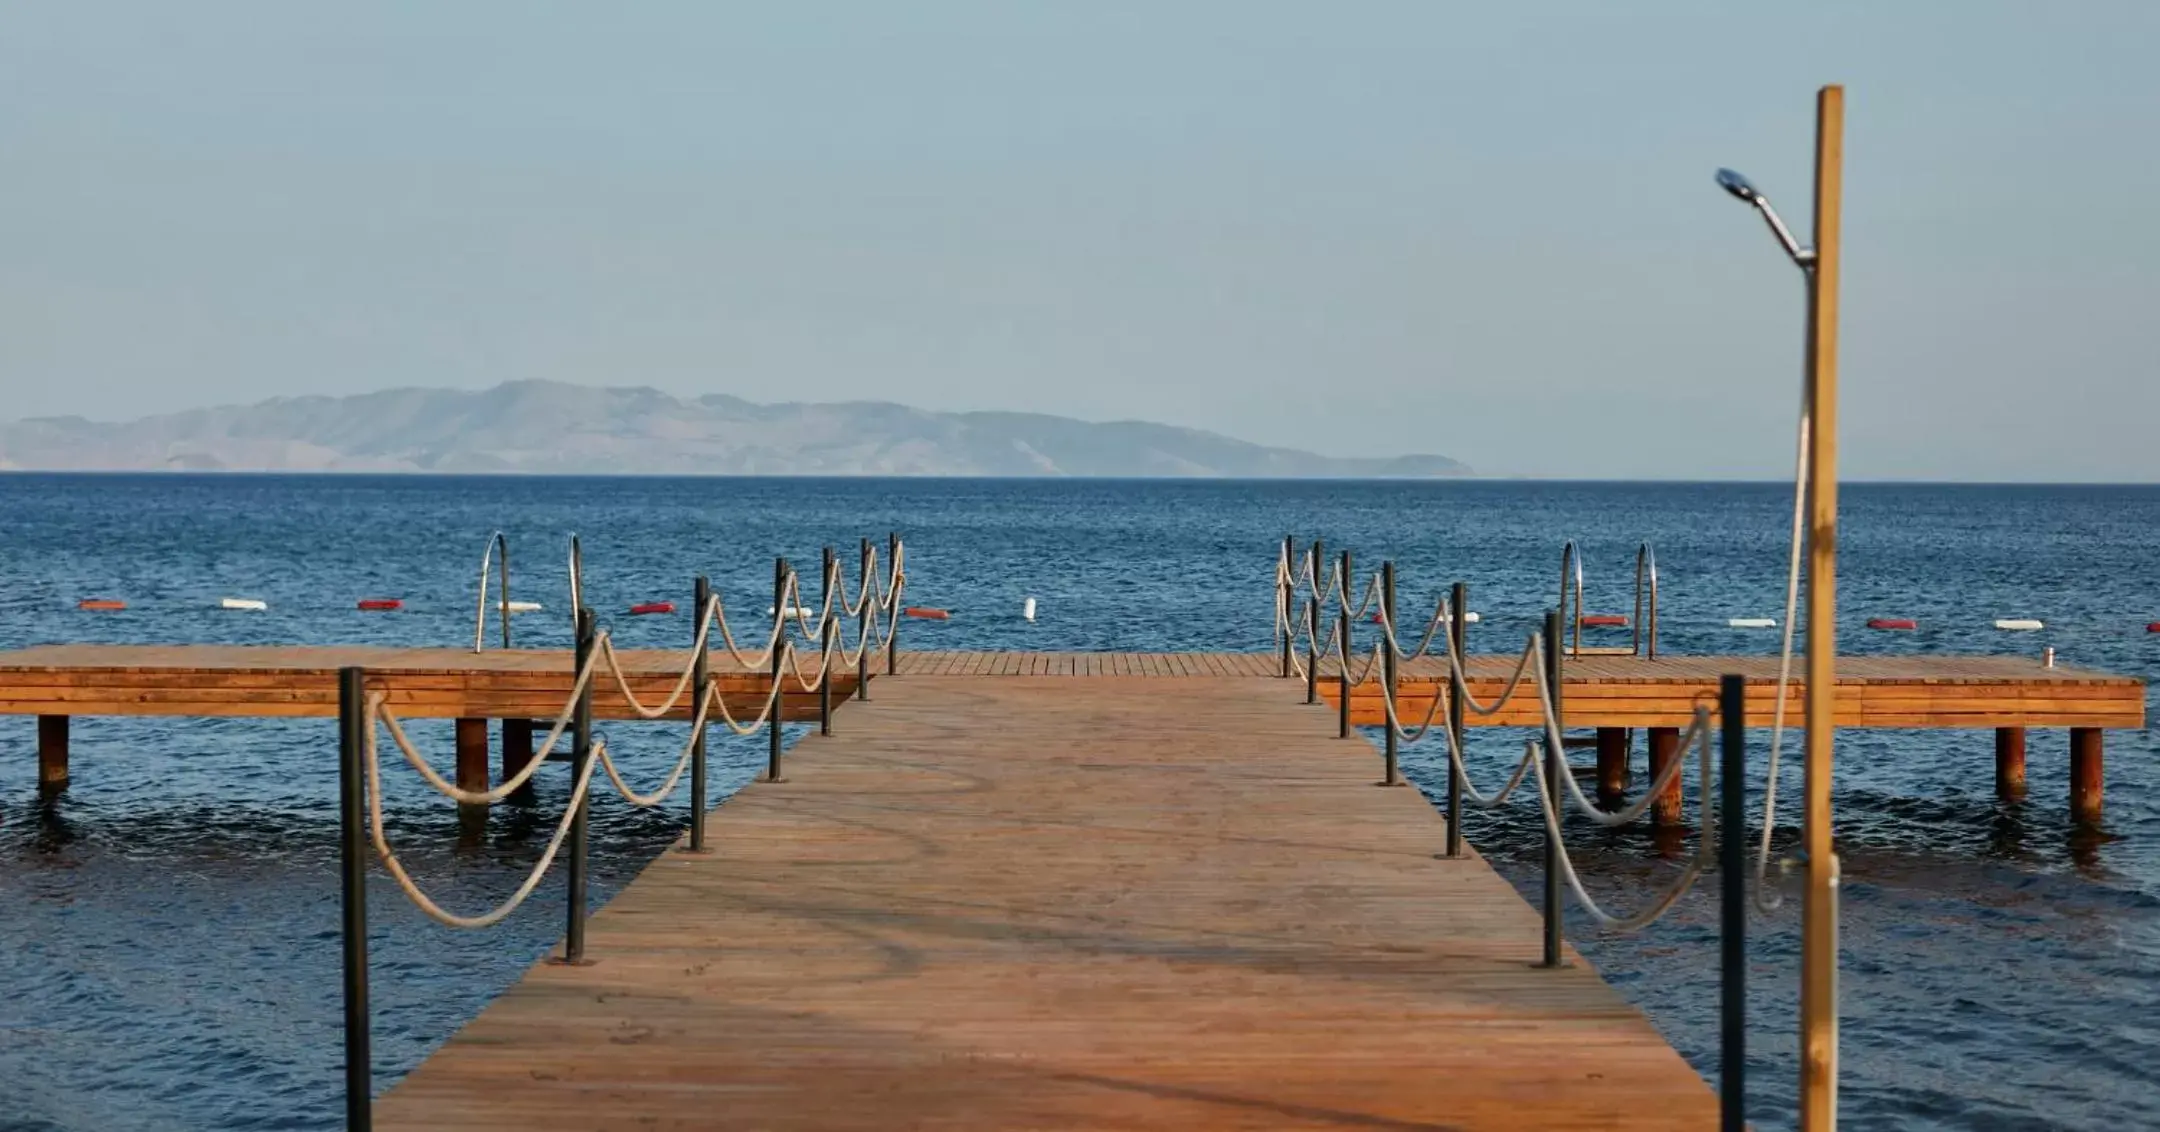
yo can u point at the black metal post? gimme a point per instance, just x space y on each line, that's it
1342 678
892 644
352 866
1312 635
1555 766
701 677
869 623
580 757
1457 628
1732 935
1285 586
825 646
1393 775
778 693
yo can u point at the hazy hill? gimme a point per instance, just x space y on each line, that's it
536 426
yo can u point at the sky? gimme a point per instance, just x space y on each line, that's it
1484 230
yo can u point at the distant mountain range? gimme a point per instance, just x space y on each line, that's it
539 426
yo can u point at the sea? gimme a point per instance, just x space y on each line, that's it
169 945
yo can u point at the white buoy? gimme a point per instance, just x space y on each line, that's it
1753 623
1027 609
792 611
2022 624
242 603
524 607
1470 618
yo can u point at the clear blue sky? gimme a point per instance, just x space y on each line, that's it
1486 230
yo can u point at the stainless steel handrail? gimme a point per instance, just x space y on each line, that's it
496 541
1642 643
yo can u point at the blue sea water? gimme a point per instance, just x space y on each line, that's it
169 925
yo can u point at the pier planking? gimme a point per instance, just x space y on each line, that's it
1142 902
1601 691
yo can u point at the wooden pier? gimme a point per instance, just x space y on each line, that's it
1614 694
1053 890
1145 902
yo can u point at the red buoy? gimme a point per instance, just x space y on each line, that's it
1603 619
643 608
2152 626
100 603
1892 623
381 603
927 613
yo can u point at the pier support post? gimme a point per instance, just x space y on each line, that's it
517 750
1664 748
472 752
1612 766
2086 775
472 774
2010 764
52 751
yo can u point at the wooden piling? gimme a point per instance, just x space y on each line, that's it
1664 748
52 749
2010 764
1612 766
2086 774
472 754
517 748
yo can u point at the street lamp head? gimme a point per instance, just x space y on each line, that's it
1745 190
1737 185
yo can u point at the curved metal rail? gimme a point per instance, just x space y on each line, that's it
1644 623
501 542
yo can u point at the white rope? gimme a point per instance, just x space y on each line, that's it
507 786
1460 673
1765 899
772 698
606 649
1699 729
1706 848
578 794
854 607
682 763
727 638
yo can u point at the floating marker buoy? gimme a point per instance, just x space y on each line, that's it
1607 619
242 603
1892 623
1753 623
1027 609
927 613
2152 626
645 607
381 603
1470 618
100 603
2024 624
792 611
523 607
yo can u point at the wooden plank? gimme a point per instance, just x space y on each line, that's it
980 906
233 680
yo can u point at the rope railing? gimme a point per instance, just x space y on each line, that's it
366 716
1314 622
1535 669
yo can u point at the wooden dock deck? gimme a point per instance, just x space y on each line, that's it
1062 903
1600 691
1614 694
